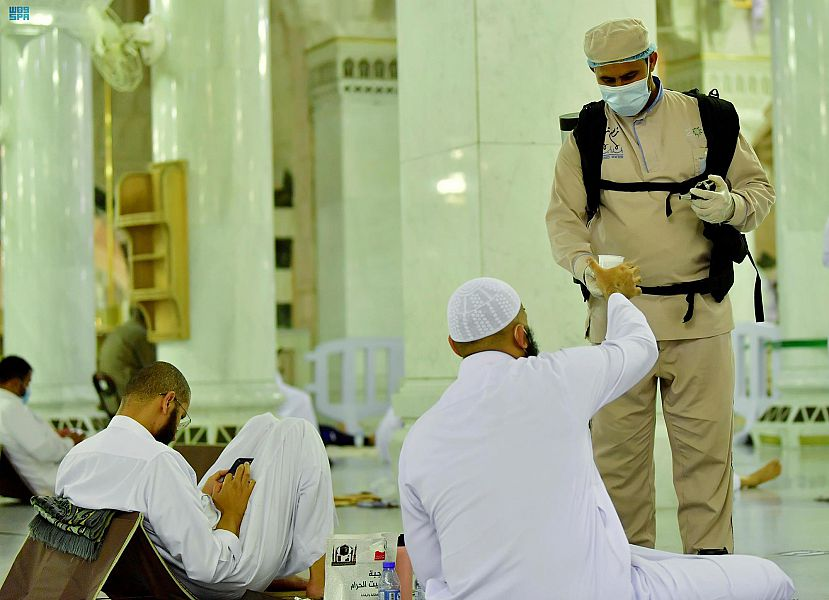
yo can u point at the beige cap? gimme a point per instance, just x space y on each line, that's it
621 40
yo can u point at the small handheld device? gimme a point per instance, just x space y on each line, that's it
705 184
236 464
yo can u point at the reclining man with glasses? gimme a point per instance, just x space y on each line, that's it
232 531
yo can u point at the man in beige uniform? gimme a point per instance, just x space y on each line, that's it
656 135
126 351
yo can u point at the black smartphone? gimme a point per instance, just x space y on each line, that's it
706 184
236 464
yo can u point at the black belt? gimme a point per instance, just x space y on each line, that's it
688 289
703 286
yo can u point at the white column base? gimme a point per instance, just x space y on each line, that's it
73 406
800 415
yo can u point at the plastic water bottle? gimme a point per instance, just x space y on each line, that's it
419 593
389 583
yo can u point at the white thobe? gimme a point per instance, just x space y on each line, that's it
32 445
498 488
288 520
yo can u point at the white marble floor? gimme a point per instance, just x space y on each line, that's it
782 520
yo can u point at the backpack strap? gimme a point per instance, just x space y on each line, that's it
589 135
721 125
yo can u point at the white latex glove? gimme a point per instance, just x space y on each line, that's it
716 206
590 282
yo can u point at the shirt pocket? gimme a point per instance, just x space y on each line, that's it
700 160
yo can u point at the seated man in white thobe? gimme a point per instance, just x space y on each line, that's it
32 445
220 538
498 488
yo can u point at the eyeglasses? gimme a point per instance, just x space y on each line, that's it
184 422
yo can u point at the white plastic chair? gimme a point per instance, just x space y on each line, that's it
751 378
355 406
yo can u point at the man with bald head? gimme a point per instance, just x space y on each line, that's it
231 531
625 185
499 492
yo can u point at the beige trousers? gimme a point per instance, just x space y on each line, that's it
696 380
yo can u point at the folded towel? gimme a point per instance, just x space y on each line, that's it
68 528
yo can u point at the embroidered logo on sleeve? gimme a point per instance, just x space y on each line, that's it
611 149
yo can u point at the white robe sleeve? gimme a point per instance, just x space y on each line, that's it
422 542
35 436
598 375
177 519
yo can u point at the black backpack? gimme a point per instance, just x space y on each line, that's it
721 126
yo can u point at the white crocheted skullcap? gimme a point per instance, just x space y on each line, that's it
481 307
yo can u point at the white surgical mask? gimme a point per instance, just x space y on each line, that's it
627 100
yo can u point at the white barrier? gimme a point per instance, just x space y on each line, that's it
753 392
359 358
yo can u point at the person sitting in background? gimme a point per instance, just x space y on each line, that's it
221 536
31 444
126 350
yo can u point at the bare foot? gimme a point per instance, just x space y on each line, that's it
314 591
316 581
771 470
293 583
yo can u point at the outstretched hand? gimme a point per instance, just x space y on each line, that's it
624 279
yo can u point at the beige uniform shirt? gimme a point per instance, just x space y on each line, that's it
666 143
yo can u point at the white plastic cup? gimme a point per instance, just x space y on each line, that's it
608 261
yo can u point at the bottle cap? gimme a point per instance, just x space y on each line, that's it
388 565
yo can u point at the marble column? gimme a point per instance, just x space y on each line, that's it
211 107
47 217
482 84
800 55
357 187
